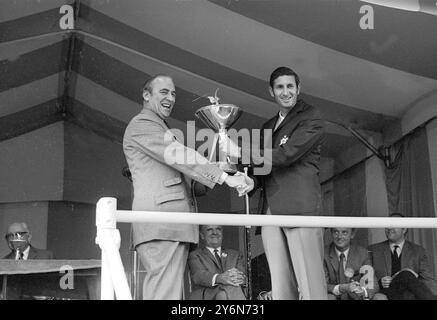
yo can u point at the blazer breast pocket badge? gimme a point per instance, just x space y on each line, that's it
283 140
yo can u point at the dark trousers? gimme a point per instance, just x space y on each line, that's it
405 284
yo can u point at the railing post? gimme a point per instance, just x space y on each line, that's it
108 238
105 220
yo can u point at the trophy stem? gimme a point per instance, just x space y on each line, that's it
214 145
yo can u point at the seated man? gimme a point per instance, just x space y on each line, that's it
402 267
18 239
216 273
348 269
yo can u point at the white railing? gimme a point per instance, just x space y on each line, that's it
113 277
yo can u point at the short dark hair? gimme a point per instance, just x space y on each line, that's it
396 214
283 71
147 86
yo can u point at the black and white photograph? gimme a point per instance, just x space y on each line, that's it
189 151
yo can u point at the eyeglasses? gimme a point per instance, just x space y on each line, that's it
17 236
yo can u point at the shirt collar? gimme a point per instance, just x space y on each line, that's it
281 117
338 252
401 245
219 249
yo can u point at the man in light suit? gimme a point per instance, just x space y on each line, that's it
216 273
292 187
18 238
162 172
402 267
345 266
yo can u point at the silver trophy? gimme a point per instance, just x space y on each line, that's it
220 117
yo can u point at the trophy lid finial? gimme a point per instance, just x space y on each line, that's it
214 99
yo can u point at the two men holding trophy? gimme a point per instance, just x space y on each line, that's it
295 255
163 185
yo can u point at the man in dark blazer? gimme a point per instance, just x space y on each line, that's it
18 238
348 268
216 273
163 172
291 187
402 267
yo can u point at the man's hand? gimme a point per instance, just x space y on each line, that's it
229 147
249 184
350 287
265 295
236 181
386 281
357 291
233 277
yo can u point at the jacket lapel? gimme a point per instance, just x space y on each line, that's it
32 253
212 258
353 259
334 260
224 258
290 115
387 257
405 254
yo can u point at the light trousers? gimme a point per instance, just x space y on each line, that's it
164 262
295 258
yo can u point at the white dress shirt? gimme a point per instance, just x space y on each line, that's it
25 254
278 122
400 245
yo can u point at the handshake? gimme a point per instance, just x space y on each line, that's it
239 181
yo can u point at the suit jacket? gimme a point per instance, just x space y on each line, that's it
159 182
413 256
203 266
292 186
357 257
34 254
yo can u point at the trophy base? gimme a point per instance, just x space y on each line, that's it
229 168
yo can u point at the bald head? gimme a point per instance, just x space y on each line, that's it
18 227
18 236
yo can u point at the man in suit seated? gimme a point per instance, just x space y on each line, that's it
402 267
216 273
348 270
18 238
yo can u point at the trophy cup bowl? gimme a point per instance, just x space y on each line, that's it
220 117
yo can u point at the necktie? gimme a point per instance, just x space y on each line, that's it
341 276
395 262
217 257
395 252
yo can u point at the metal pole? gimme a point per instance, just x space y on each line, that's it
248 248
274 220
5 287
